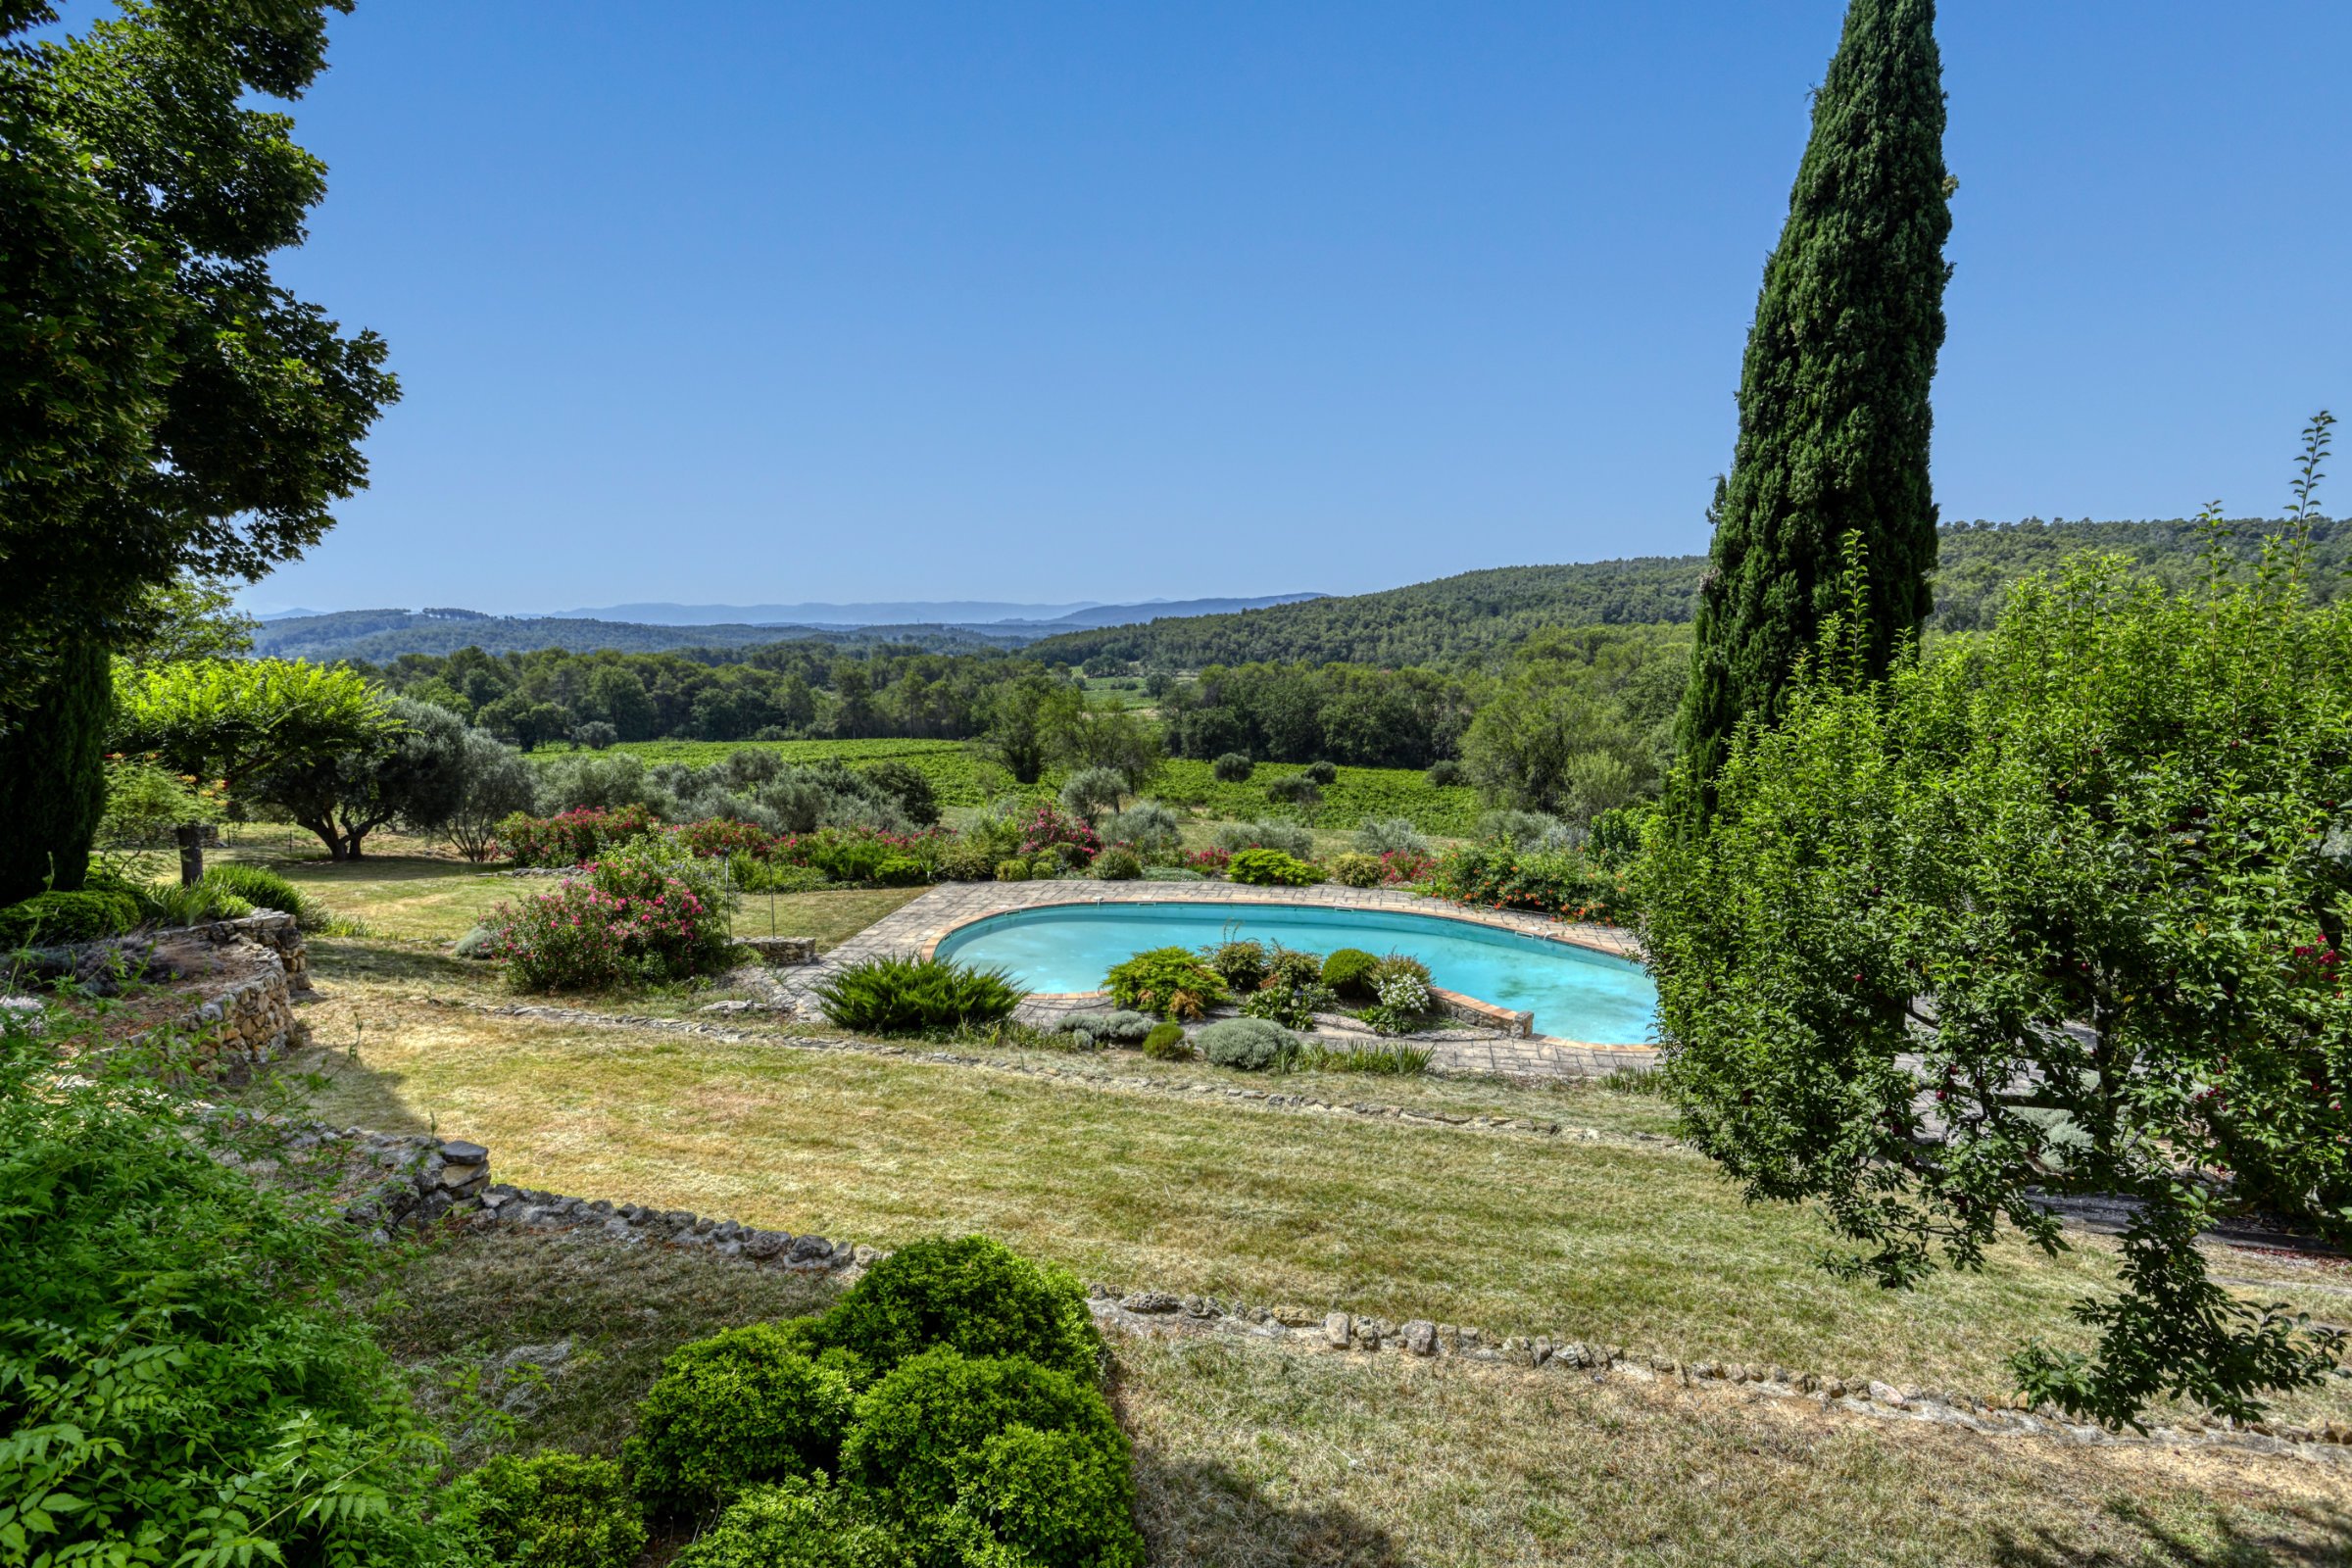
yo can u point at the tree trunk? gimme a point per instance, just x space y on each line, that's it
53 775
191 852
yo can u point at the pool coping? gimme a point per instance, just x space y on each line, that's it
969 902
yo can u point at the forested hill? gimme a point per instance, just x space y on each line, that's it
1459 619
380 635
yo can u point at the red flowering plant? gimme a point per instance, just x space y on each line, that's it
571 838
1045 826
1212 861
863 854
720 837
1407 865
645 913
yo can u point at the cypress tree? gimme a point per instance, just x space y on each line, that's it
1833 417
53 777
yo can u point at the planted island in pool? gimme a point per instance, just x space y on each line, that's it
1575 992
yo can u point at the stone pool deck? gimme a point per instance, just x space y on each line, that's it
917 928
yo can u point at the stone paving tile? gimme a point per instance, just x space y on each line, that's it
916 929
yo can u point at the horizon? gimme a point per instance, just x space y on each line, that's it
1105 308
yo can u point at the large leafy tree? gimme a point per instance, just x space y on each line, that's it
165 406
264 727
1833 415
2059 910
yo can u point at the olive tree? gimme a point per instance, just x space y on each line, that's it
415 776
2059 910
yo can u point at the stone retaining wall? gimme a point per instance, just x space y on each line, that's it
271 929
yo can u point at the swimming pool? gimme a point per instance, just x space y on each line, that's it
1573 993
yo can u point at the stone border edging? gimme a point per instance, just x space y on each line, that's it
1150 1314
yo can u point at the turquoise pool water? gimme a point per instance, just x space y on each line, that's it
1573 993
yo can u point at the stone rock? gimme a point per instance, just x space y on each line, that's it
780 952
811 1249
1337 1329
1887 1394
1152 1302
764 1245
546 1357
1421 1337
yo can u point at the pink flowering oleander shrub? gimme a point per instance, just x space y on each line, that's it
718 837
1407 865
571 838
1211 861
627 920
1046 826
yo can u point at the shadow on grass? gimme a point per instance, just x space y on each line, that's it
1199 1510
377 868
379 960
2322 1535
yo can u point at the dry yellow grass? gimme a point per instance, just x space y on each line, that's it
1642 1245
1253 1456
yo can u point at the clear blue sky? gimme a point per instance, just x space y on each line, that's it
765 301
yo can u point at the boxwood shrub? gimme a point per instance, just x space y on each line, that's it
1348 971
1167 1042
1027 1451
755 1404
970 1294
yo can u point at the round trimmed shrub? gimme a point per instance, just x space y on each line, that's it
89 915
760 1402
1166 1042
1248 1045
1322 773
479 942
797 1523
1356 869
1445 773
961 860
1013 870
1348 971
1271 868
555 1509
1117 864
971 1294
1029 1452
1234 767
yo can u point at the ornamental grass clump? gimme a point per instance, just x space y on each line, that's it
1171 982
645 914
895 995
